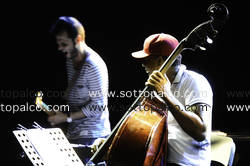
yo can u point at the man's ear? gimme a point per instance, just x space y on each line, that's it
78 39
160 60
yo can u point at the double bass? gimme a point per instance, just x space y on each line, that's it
140 137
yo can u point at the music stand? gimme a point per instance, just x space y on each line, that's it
47 147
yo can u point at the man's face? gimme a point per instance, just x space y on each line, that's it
152 63
66 45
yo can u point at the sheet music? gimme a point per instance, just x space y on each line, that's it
47 147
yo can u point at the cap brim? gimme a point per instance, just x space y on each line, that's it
140 54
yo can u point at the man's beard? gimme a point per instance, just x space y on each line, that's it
73 53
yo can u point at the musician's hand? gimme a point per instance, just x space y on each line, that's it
159 82
97 143
58 118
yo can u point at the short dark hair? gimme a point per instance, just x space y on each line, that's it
70 25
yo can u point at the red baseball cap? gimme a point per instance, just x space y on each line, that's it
157 44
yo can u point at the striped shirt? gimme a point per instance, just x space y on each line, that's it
92 77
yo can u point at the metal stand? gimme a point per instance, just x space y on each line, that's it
47 147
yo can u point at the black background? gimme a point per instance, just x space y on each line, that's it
30 61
